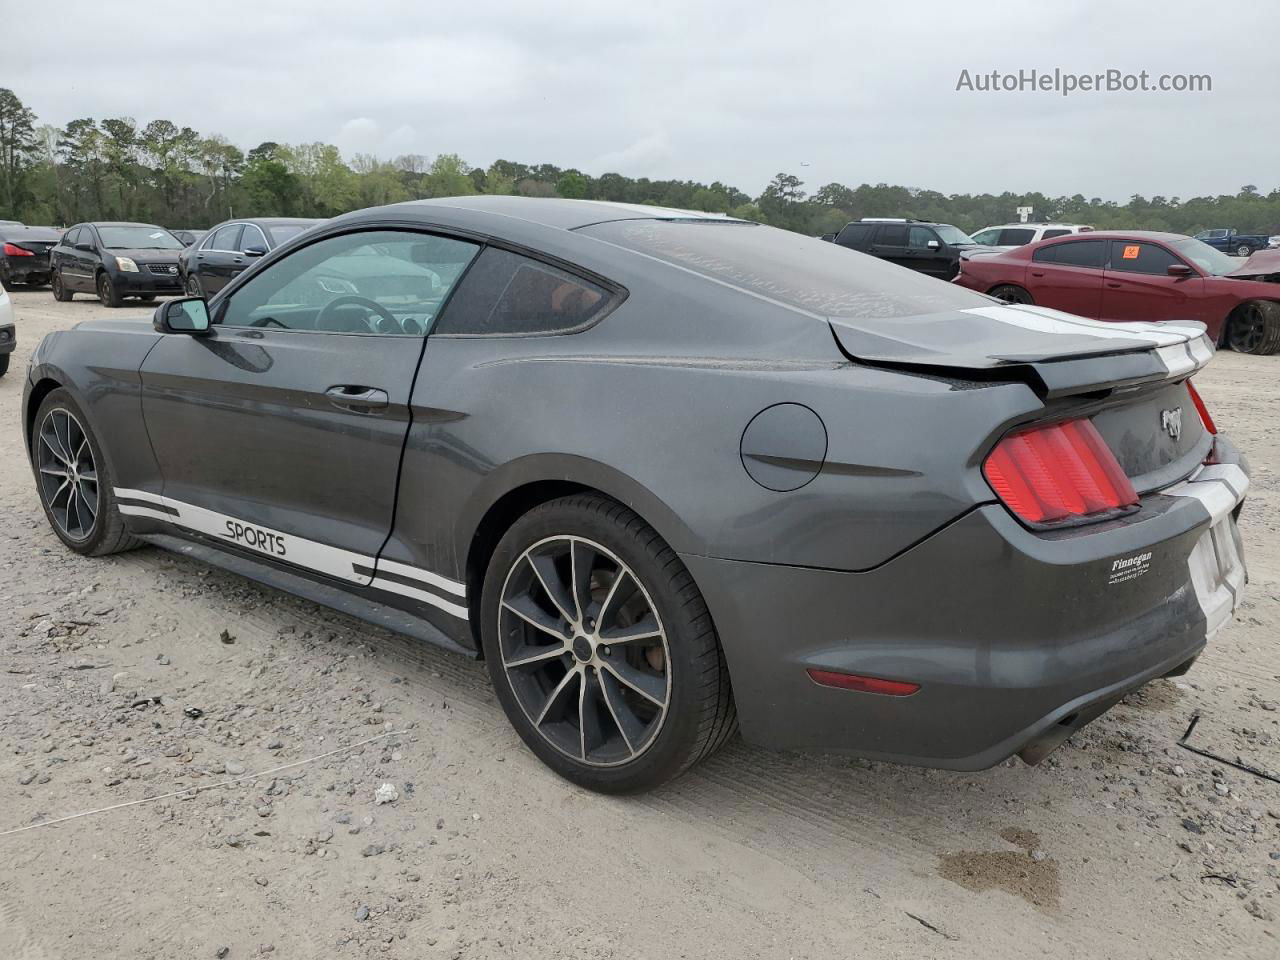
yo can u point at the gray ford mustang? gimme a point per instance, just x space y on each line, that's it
669 474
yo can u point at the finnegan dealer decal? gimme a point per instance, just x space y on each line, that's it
1129 568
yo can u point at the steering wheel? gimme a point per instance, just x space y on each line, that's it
329 314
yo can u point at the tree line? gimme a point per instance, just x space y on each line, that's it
116 169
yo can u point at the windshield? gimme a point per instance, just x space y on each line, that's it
286 232
987 237
953 235
1211 261
138 238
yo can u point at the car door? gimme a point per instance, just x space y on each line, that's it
62 257
84 260
252 245
215 260
281 431
1137 285
1067 276
935 260
890 243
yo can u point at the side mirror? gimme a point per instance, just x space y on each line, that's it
933 245
1179 270
189 315
254 251
86 247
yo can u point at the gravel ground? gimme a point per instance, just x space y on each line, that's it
145 675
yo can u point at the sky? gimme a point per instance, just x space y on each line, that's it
847 92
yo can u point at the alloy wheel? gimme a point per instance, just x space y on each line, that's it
584 651
68 474
1247 328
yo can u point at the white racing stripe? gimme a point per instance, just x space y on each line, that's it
357 568
1216 563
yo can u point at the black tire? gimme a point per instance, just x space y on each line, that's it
1254 328
698 715
1012 293
148 298
106 533
193 286
4 363
60 292
1244 250
107 292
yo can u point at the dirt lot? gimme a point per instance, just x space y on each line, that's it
1122 845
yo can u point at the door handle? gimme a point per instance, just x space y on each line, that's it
354 397
1113 283
1035 274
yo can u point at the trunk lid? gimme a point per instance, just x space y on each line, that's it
1056 354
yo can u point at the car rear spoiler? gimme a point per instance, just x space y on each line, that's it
1056 354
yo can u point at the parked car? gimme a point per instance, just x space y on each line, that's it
931 248
1232 242
24 255
886 527
1009 235
1137 275
116 260
1273 242
11 223
230 248
8 332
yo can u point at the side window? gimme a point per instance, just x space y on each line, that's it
989 238
70 237
1131 257
854 234
918 238
892 235
388 282
252 237
507 294
1016 236
226 238
1078 253
1050 234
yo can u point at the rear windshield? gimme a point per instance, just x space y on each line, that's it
799 271
138 238
286 231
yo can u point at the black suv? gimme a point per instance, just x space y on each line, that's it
116 260
931 248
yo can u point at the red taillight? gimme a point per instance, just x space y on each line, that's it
12 251
853 681
1063 471
1201 409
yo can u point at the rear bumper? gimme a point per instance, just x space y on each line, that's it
1015 638
28 269
8 338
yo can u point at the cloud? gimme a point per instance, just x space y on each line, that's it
719 90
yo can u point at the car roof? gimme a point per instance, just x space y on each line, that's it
1033 224
550 212
1122 235
121 223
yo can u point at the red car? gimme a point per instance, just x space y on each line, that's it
1138 275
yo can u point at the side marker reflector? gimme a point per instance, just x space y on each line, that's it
853 681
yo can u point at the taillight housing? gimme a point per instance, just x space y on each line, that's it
10 250
1201 409
1059 473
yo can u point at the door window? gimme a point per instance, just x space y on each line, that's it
1133 257
71 237
1016 236
989 237
225 239
918 238
506 294
1077 253
252 237
1050 234
854 234
892 235
387 282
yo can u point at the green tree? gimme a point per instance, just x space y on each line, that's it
18 146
